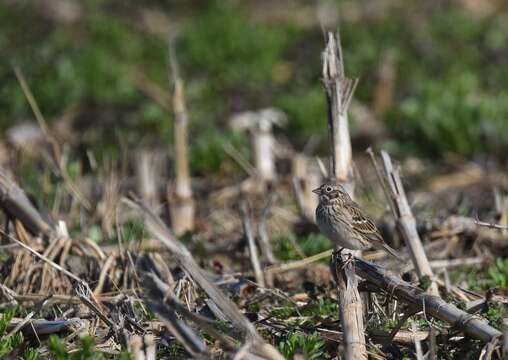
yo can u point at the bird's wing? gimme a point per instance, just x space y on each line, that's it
366 227
363 224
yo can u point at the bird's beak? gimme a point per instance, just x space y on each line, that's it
316 191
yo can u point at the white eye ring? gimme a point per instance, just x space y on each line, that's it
328 188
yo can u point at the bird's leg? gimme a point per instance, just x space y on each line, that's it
349 260
335 262
337 251
336 258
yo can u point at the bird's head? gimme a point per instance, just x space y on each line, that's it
331 191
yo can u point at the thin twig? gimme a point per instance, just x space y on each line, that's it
264 241
57 153
418 344
449 263
322 168
236 155
382 180
182 203
33 104
66 299
104 272
298 264
83 295
406 223
489 225
183 183
300 201
253 251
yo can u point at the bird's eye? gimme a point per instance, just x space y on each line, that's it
328 188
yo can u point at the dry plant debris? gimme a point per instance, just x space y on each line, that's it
251 280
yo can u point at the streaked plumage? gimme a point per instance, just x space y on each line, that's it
341 219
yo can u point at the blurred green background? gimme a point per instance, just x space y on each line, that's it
433 73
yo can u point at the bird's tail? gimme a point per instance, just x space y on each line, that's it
392 252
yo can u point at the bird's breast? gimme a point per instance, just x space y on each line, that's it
336 231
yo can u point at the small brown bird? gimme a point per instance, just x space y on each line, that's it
342 221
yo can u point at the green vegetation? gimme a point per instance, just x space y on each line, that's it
435 110
310 244
9 343
175 350
316 311
310 346
385 324
322 308
232 51
56 347
133 230
495 314
207 155
86 351
498 273
496 276
305 108
449 93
